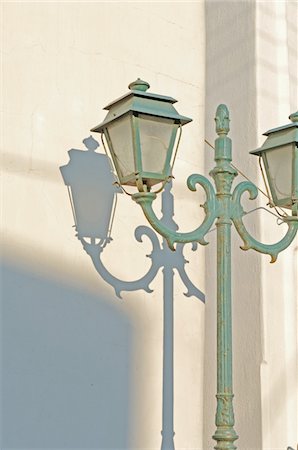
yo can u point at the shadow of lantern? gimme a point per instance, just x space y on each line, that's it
92 194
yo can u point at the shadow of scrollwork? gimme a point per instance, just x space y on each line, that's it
93 197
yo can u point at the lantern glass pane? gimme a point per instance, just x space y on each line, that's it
279 162
155 140
120 133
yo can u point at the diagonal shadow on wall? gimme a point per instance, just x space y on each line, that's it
66 365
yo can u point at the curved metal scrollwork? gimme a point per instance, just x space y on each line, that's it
249 242
198 235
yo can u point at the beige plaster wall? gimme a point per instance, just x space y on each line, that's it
277 81
83 369
230 79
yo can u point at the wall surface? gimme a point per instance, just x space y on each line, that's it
230 79
81 367
277 84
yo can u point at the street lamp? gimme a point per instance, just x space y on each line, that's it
223 207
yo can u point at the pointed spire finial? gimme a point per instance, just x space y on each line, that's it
222 120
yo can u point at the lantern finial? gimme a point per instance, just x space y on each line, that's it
294 117
139 85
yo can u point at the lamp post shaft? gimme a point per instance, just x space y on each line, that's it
224 174
225 434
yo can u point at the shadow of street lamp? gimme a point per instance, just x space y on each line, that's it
93 197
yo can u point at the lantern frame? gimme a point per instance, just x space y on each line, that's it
140 105
284 137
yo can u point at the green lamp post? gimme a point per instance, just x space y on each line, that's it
142 152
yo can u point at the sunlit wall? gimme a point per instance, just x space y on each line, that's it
84 308
82 368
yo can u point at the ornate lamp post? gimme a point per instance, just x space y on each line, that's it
222 206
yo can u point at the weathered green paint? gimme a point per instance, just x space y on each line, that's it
249 242
223 175
138 101
294 118
145 199
224 207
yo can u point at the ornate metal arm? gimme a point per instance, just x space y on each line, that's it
210 207
249 242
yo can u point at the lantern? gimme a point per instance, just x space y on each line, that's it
279 154
140 130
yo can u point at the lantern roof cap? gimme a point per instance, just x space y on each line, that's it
294 119
138 88
139 101
277 137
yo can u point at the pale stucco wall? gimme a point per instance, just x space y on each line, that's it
81 368
277 84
